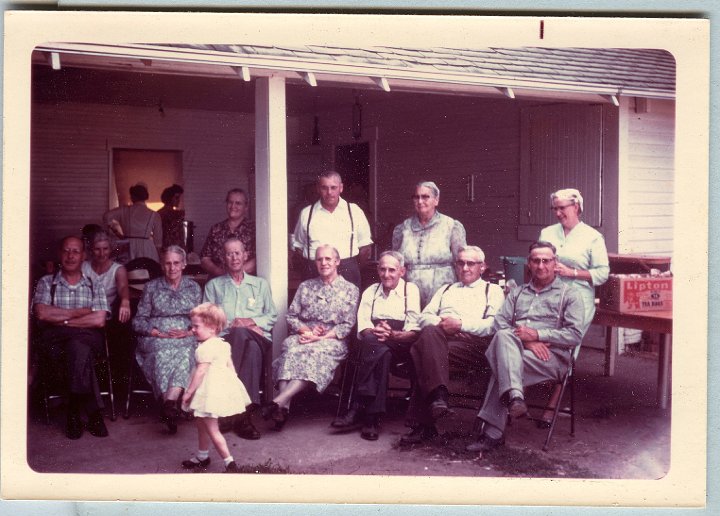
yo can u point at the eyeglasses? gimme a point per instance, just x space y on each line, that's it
417 197
560 208
538 261
463 263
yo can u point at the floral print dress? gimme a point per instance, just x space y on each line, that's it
334 306
166 362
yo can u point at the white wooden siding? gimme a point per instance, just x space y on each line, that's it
70 151
646 178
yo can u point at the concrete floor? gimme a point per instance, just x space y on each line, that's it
619 434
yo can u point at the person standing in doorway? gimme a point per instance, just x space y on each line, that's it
138 224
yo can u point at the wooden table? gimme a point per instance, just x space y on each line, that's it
658 322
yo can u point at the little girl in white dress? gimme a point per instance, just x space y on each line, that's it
215 390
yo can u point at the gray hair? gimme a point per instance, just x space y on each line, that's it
568 194
329 174
394 254
99 237
327 246
177 250
430 186
541 244
473 249
232 240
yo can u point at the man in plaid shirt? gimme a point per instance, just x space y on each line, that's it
71 311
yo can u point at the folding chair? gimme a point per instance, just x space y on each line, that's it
568 379
102 366
401 369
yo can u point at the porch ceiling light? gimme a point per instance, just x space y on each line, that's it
309 78
243 72
508 92
382 82
54 59
613 99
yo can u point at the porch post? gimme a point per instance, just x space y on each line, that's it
271 195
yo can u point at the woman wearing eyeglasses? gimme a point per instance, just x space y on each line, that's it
582 258
428 241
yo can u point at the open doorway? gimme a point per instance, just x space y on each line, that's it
353 163
157 169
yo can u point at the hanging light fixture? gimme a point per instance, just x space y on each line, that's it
357 118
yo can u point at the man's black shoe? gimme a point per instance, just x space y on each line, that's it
419 434
485 444
517 408
348 421
74 427
244 428
96 425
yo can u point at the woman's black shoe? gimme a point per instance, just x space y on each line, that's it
169 416
280 417
268 410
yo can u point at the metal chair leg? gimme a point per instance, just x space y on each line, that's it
567 378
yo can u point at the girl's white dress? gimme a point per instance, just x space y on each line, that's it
221 392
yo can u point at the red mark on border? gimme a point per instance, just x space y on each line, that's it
542 29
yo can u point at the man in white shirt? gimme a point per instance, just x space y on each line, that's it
335 222
456 326
387 327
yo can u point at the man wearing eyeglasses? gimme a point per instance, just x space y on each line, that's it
456 325
71 310
536 330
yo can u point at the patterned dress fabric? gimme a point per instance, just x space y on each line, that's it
166 362
429 251
220 232
221 392
334 306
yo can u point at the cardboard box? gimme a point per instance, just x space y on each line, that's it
637 293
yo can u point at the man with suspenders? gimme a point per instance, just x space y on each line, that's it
386 327
72 310
333 221
456 326
536 331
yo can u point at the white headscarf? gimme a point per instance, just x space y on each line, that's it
568 194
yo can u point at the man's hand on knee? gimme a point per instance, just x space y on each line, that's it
450 325
539 349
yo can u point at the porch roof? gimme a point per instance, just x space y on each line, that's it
608 72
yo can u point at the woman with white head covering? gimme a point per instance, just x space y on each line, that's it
582 259
581 252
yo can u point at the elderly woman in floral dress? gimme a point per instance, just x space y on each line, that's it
319 319
166 345
429 242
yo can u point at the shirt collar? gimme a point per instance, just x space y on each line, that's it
557 283
397 291
342 204
474 284
247 278
415 222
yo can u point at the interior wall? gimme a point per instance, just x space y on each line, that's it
70 162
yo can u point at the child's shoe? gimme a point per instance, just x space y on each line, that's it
232 467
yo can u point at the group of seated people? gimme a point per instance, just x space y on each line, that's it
440 319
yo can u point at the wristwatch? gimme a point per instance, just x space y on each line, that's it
65 322
575 272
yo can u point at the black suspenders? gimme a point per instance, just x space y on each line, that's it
307 230
372 308
53 288
487 298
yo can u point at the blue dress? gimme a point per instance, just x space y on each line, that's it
166 362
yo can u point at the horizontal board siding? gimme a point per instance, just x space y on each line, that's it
646 215
70 153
